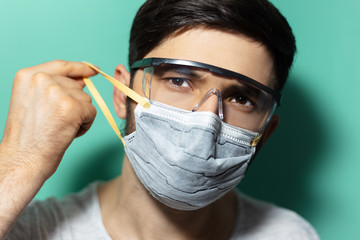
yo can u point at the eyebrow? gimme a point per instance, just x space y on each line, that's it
182 70
248 91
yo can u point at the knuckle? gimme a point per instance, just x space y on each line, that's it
22 74
90 113
87 98
40 77
94 111
53 89
61 64
68 105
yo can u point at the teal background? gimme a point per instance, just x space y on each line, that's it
311 163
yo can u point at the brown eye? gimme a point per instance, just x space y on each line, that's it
242 100
179 82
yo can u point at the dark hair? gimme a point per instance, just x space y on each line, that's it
257 19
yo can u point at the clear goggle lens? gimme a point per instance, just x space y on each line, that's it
239 103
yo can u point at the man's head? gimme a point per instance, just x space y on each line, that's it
221 57
229 34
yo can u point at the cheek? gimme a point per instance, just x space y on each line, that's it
131 105
130 119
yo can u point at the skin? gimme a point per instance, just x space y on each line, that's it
47 101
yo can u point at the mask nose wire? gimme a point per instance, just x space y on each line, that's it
206 96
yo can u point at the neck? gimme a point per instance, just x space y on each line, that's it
129 211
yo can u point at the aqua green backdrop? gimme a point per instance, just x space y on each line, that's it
311 164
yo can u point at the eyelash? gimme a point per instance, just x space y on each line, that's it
249 104
184 80
245 98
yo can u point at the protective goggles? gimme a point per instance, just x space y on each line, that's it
187 85
182 83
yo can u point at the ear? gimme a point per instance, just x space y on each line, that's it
274 121
119 99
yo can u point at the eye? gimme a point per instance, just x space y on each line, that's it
244 101
179 82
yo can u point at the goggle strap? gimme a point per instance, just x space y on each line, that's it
100 101
123 88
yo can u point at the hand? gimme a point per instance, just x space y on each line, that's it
48 109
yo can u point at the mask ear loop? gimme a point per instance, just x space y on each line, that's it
100 101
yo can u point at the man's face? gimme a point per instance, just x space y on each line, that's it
223 49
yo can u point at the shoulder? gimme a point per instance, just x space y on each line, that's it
52 218
261 220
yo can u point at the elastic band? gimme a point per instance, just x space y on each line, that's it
103 107
100 101
122 87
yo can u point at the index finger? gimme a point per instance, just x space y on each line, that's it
64 68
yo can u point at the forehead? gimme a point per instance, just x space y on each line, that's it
223 49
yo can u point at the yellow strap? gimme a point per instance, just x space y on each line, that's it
100 101
256 140
122 87
103 107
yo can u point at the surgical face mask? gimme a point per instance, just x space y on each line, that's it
185 159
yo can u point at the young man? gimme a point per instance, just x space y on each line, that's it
211 72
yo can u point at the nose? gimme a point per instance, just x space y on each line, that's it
212 102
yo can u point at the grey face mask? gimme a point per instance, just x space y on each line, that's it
187 160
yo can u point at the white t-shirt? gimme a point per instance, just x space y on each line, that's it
78 216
